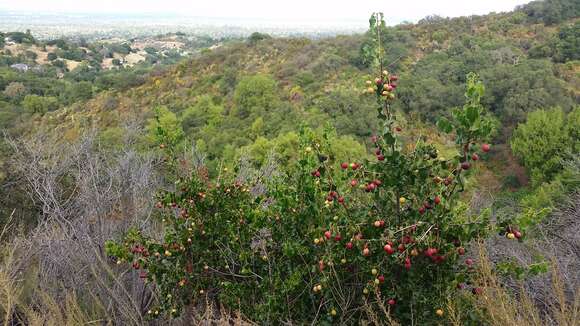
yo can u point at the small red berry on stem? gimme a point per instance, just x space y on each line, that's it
407 263
327 234
366 252
389 249
401 247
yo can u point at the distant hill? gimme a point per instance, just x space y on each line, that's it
527 59
252 95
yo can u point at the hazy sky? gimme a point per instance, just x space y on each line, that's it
272 9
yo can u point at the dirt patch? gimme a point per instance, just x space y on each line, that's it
133 58
71 65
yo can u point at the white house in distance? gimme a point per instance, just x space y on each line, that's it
22 67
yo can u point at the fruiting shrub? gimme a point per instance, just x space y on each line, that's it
324 241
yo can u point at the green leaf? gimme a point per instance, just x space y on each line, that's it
444 125
472 114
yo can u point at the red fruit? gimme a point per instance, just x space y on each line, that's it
327 234
518 234
354 166
381 157
353 183
143 274
469 262
393 85
422 210
407 263
431 251
344 165
391 302
407 239
437 200
485 147
447 181
394 78
329 198
316 174
374 139
474 156
377 182
341 200
348 245
321 265
477 291
379 81
461 250
465 165
398 129
337 237
371 187
381 279
366 252
358 236
389 249
136 265
159 205
333 193
378 151
401 247
389 88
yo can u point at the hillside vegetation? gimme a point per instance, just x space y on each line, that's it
398 176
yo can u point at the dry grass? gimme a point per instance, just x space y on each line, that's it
38 308
500 306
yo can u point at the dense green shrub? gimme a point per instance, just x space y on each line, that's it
255 95
321 240
546 140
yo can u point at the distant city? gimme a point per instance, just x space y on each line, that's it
101 26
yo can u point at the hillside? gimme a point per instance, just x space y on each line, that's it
524 63
419 174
